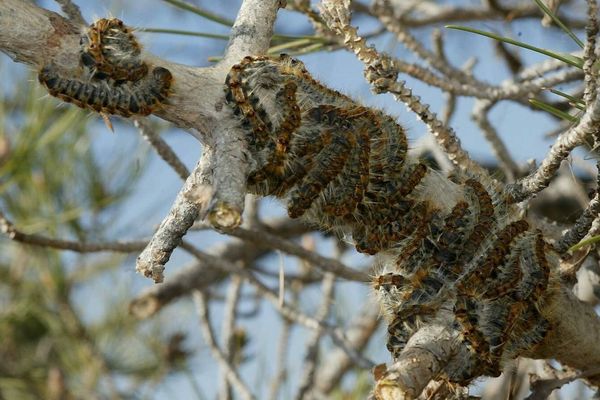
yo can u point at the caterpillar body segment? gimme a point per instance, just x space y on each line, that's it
140 98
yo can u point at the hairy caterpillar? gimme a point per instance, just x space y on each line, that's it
111 50
344 166
142 97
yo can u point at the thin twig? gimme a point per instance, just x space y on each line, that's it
266 239
209 336
540 69
312 348
337 363
162 148
510 57
450 103
195 276
8 228
227 330
72 11
335 333
562 147
481 110
283 352
485 91
280 367
582 227
449 108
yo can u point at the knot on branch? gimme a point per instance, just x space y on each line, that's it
381 73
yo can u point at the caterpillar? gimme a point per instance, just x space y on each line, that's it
111 50
142 97
446 247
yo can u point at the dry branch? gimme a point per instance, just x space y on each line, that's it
359 331
72 11
336 334
162 148
265 239
7 228
151 262
227 332
37 37
200 275
218 354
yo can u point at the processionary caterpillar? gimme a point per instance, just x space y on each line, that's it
131 98
110 50
118 80
345 167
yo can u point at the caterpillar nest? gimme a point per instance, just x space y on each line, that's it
447 249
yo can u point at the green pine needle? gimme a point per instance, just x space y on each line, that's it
199 11
566 58
574 100
553 110
586 242
184 33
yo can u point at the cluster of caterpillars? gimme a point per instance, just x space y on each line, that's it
345 167
112 77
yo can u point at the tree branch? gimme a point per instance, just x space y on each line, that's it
72 11
162 148
337 363
217 353
252 30
200 275
37 37
8 228
427 352
265 239
151 261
